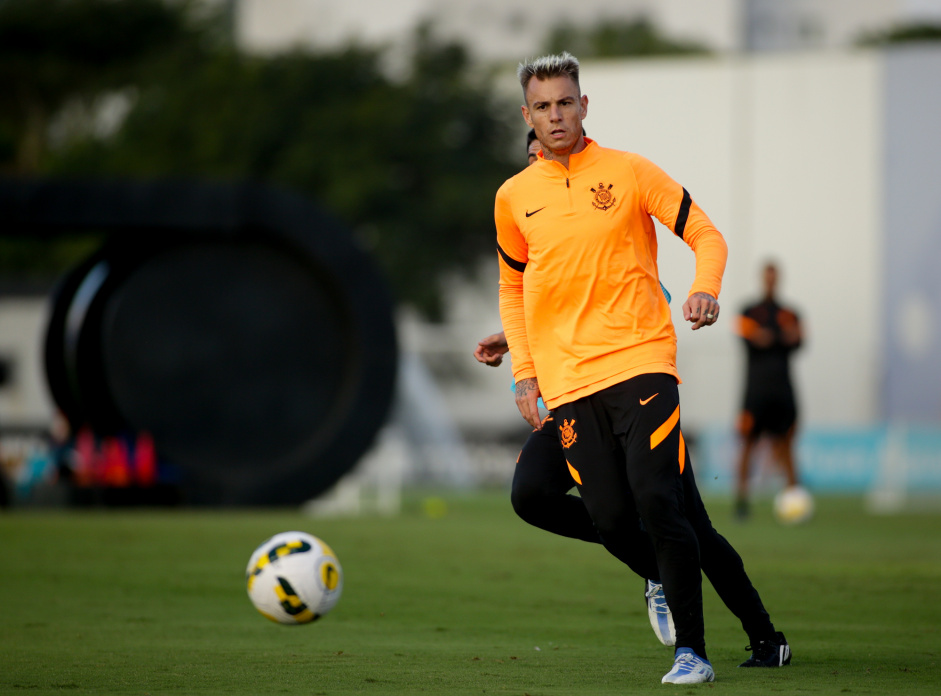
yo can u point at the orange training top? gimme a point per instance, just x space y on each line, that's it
580 295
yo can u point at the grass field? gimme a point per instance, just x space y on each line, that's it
470 602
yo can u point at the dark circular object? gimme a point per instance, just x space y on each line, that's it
57 377
241 328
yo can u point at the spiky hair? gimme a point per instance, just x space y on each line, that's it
560 65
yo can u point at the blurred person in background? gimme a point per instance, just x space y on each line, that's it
533 146
771 332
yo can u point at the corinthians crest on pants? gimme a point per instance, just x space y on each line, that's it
567 434
604 199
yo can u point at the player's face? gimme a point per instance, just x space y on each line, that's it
534 148
555 109
770 280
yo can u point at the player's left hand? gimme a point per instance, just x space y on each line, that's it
490 350
702 309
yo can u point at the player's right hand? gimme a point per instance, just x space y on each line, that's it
527 401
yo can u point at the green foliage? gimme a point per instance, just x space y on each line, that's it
411 164
153 602
60 56
54 51
618 38
30 257
909 33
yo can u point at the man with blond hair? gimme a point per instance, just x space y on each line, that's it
590 332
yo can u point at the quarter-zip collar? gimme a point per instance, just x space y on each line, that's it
577 162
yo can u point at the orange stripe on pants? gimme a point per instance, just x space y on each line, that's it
682 454
660 434
574 472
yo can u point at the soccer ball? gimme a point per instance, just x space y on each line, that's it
793 505
294 578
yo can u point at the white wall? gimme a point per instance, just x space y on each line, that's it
912 240
24 399
816 203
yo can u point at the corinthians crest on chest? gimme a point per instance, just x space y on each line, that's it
603 199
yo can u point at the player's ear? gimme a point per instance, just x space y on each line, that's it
529 121
584 102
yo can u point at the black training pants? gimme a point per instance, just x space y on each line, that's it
540 496
629 458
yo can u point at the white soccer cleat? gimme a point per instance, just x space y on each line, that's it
661 618
689 668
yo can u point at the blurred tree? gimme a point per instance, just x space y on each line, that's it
53 52
907 33
411 164
617 38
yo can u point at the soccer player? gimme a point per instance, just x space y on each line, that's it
541 484
771 332
590 332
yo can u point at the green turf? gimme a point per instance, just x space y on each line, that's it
472 602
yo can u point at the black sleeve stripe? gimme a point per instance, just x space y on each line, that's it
511 262
681 216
